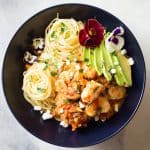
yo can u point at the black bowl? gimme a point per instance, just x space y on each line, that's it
50 131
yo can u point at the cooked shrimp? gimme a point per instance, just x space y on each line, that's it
89 72
79 119
117 92
60 99
70 84
65 86
91 109
78 77
91 92
73 115
104 104
103 81
104 116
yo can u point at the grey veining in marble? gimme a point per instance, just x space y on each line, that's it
136 14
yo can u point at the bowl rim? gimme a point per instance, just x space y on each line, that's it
3 68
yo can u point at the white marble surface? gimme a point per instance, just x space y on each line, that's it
136 14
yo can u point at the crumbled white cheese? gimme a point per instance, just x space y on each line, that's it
81 105
113 71
103 120
41 111
60 65
38 43
116 63
71 74
116 107
61 111
77 67
123 52
75 59
33 58
96 118
45 56
131 61
64 124
24 72
85 68
67 62
28 57
37 108
47 116
48 111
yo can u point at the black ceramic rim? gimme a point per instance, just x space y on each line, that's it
143 86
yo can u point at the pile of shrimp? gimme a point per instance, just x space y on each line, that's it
83 95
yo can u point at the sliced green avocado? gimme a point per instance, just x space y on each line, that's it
98 60
125 67
92 58
107 59
86 56
119 75
105 63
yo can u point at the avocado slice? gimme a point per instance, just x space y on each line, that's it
98 60
92 58
107 59
119 76
86 55
126 68
105 68
107 56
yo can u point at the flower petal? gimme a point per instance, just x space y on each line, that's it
92 34
92 42
118 31
120 44
83 37
115 40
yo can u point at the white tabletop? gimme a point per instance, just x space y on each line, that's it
136 15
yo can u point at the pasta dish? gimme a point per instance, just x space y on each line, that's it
78 72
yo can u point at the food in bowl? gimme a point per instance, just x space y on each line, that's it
77 72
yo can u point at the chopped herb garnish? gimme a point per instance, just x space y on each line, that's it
46 66
45 61
66 101
91 52
113 53
41 89
63 27
31 77
53 35
81 70
53 73
86 60
77 33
